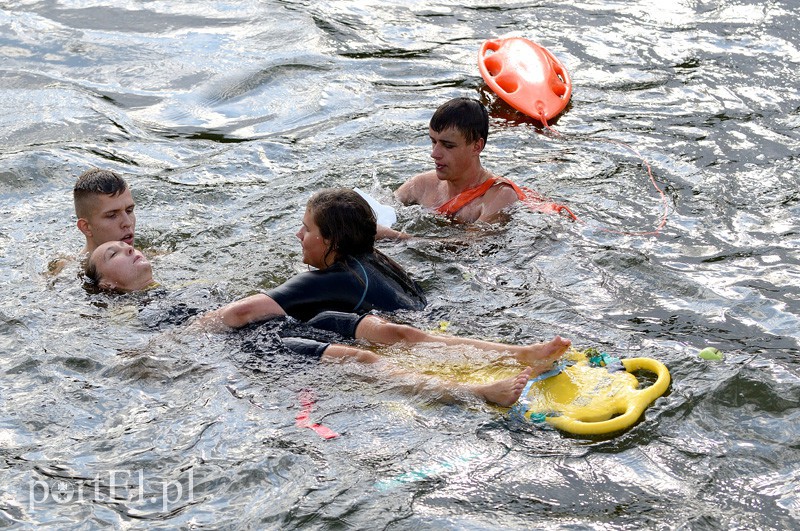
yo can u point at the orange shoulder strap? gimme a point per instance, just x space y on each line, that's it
537 202
450 207
526 195
521 193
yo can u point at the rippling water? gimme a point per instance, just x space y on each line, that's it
224 117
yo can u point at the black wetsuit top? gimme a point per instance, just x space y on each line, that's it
359 285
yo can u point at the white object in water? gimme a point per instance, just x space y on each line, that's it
385 214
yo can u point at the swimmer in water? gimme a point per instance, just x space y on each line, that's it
458 132
337 237
119 267
459 187
105 211
104 207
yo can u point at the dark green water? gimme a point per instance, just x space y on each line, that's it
225 117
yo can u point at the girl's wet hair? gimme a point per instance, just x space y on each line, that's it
91 277
346 220
467 115
90 273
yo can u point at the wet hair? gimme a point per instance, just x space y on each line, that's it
467 115
346 220
95 182
91 274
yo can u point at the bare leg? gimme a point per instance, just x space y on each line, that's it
542 352
343 352
539 355
502 392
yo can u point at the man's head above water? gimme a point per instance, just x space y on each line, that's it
104 207
117 266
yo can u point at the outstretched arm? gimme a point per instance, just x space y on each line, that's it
242 312
388 233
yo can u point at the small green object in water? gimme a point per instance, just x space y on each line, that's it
710 353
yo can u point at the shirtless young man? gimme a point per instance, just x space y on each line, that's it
458 131
459 186
118 266
105 208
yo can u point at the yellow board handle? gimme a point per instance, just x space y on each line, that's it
659 387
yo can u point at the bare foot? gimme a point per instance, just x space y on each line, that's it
504 392
542 355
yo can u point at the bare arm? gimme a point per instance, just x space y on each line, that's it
413 191
242 312
409 193
344 352
388 233
404 194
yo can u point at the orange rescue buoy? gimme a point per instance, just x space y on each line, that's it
526 76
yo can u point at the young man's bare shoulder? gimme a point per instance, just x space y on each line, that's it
417 188
496 199
502 193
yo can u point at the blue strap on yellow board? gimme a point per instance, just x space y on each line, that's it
601 359
521 407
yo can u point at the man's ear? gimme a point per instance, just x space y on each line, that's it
83 226
478 146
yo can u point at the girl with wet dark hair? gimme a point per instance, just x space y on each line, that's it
337 237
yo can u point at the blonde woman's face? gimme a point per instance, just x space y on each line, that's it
121 267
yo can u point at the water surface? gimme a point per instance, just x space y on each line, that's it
225 117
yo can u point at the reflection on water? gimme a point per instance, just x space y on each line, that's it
225 117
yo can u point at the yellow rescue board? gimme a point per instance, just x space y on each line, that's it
590 397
